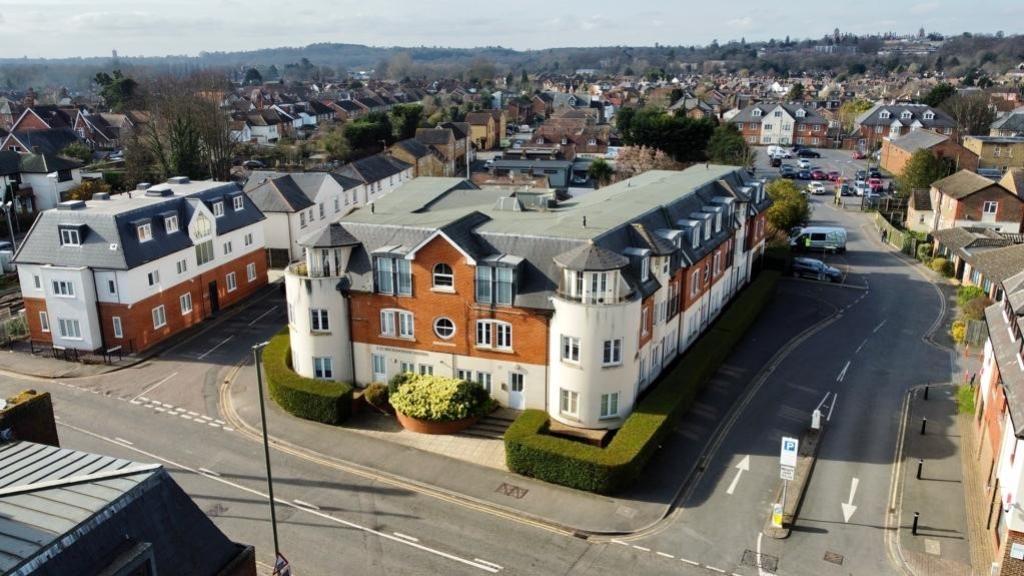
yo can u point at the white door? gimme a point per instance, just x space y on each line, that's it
379 369
516 391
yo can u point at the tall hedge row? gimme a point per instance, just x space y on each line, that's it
530 451
324 401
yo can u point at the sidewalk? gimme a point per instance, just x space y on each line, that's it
941 546
20 360
504 493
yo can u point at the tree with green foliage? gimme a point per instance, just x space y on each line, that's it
406 118
118 91
684 139
79 151
796 92
369 135
334 144
727 146
789 207
850 110
252 76
939 94
921 170
600 171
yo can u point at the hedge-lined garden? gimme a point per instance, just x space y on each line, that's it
532 452
324 401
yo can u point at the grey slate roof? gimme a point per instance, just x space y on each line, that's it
918 139
46 163
872 117
1006 350
281 194
331 236
49 141
998 264
1011 122
591 258
414 147
110 240
373 168
747 113
70 512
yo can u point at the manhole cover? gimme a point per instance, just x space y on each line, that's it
512 490
932 547
763 561
834 557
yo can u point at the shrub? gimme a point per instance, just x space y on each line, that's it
530 451
324 401
440 399
965 399
924 253
975 309
942 266
398 380
376 395
965 294
958 331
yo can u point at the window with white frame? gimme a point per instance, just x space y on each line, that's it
70 237
232 281
302 219
379 365
145 232
444 328
394 276
185 302
396 323
238 203
484 380
494 334
44 321
426 369
64 288
612 353
495 285
159 317
171 224
645 268
323 368
610 405
718 263
570 349
153 277
69 329
118 329
247 239
443 277
404 367
337 204
318 320
111 287
756 112
569 402
250 271
645 317
463 374
990 207
694 283
218 209
37 282
228 247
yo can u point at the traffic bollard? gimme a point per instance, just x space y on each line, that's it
920 464
926 392
913 530
924 424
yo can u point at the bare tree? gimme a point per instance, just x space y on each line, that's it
972 113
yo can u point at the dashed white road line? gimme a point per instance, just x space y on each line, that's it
861 346
158 409
122 440
879 327
620 542
488 563
641 548
151 387
257 319
842 373
690 562
218 345
208 472
306 504
406 537
665 555
712 568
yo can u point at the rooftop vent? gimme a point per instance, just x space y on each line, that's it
159 191
71 205
101 196
143 186
178 180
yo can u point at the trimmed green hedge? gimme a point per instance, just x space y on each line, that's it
530 451
324 401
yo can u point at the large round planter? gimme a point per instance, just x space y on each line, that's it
428 427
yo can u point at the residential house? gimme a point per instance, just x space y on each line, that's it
896 152
997 152
426 160
10 110
44 118
1010 124
103 131
487 128
37 181
134 269
44 141
571 308
981 256
297 204
781 124
967 199
892 120
380 174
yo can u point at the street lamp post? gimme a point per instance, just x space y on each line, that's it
10 228
257 352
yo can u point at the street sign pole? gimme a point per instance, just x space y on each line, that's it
256 353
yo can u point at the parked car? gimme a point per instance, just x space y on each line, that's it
818 174
875 184
844 190
811 268
817 188
834 176
775 162
804 175
786 168
818 238
790 175
253 164
808 153
874 173
859 155
861 175
804 163
860 188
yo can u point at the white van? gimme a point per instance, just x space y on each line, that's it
818 238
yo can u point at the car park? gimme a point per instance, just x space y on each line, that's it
804 175
783 169
817 188
804 163
775 162
812 268
845 190
818 174
834 176
808 153
859 155
874 173
875 184
861 175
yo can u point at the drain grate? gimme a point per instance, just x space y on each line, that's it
762 561
834 557
512 490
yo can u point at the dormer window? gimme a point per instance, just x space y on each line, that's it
70 237
171 224
218 209
756 113
929 115
884 115
645 268
237 203
801 113
145 232
695 237
905 115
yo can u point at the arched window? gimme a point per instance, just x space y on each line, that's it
444 278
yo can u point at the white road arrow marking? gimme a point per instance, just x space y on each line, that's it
848 507
842 374
743 466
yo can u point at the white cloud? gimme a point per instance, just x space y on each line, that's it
745 23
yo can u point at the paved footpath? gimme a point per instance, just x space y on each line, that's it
941 546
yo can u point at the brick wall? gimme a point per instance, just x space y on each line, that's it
30 122
33 306
529 327
1010 207
647 328
1010 566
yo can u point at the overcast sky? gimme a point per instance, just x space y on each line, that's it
60 28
